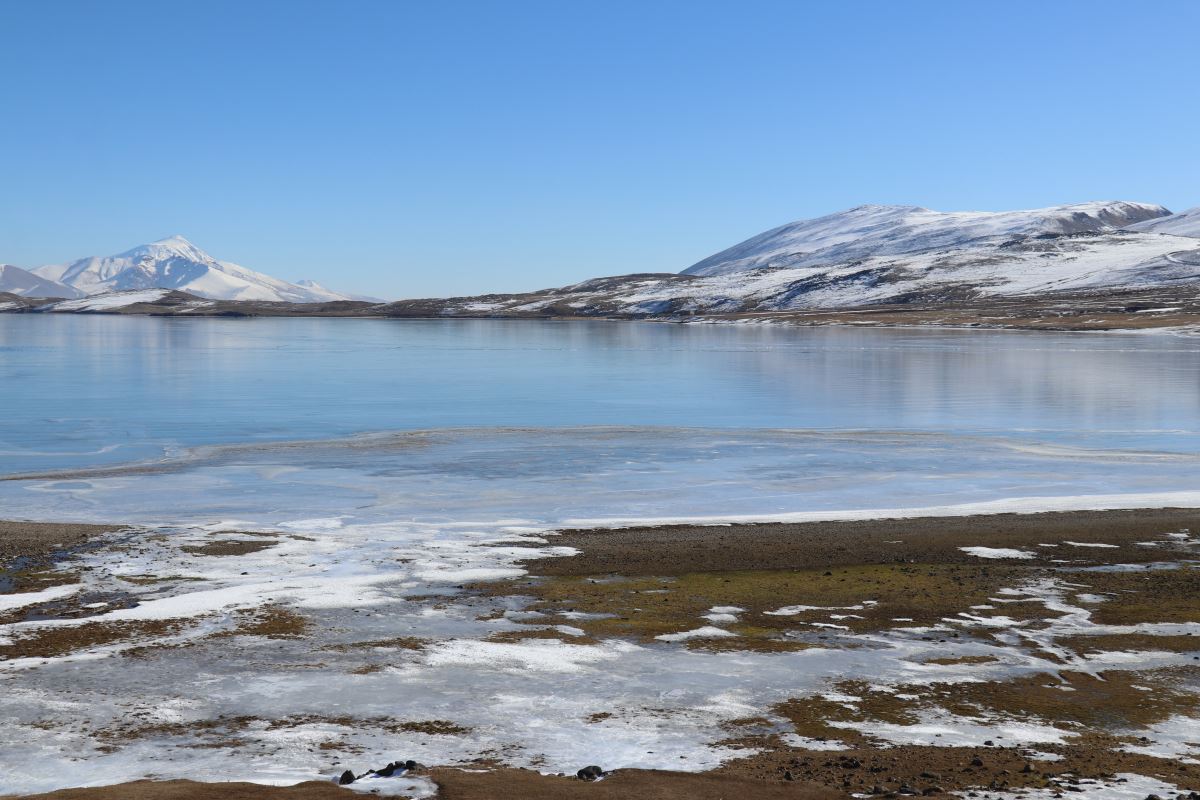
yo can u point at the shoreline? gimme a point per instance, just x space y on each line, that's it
1163 309
775 319
917 569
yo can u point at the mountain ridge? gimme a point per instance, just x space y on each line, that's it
867 255
24 283
1183 223
176 263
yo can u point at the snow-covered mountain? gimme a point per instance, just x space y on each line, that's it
1185 223
23 282
176 263
874 231
888 254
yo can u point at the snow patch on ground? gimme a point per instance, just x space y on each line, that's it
706 632
8 602
997 552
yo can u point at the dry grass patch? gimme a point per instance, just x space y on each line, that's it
539 633
397 643
642 608
272 622
228 547
1150 595
62 640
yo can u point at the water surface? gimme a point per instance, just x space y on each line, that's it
86 390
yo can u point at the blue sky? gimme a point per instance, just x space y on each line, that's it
413 149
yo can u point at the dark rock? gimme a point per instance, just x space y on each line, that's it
589 773
410 765
1028 768
932 776
387 771
787 775
976 762
989 743
346 779
933 790
907 790
1153 797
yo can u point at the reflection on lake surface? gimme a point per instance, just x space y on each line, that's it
82 390
620 418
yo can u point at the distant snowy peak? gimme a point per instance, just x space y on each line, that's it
25 283
318 289
176 263
875 230
1185 223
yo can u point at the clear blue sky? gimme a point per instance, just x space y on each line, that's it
410 149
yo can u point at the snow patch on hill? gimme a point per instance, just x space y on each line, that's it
111 301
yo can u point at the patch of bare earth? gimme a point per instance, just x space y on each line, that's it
272 622
55 641
229 547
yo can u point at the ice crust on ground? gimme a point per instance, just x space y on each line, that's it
390 568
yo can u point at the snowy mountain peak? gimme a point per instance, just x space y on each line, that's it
176 263
171 247
175 239
882 230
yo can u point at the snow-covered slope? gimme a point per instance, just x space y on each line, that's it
25 283
1185 223
176 263
1021 266
111 301
874 230
330 294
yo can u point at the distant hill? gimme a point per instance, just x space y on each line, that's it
15 280
1185 223
876 231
